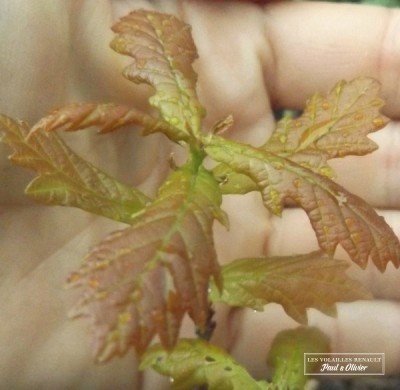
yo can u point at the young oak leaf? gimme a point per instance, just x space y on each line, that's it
337 216
295 282
106 116
194 363
66 179
286 355
139 282
163 52
333 126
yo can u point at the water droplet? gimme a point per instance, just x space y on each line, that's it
378 122
150 17
174 120
325 171
93 283
325 105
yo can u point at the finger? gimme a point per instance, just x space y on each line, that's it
230 40
294 49
295 228
316 44
374 177
364 326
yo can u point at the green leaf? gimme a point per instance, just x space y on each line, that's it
286 355
163 52
66 179
333 126
195 363
336 215
139 282
295 282
231 182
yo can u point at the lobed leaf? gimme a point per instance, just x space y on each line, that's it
107 116
287 355
295 282
195 363
139 282
163 52
336 215
66 179
333 126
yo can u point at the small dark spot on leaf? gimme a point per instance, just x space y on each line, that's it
209 359
159 359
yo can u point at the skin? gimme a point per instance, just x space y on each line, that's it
252 59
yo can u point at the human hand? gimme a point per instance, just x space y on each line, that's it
252 59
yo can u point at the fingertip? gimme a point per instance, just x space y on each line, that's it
317 44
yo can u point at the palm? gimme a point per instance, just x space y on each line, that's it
40 245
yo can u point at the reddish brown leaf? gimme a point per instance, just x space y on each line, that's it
337 216
108 117
333 126
163 52
139 282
